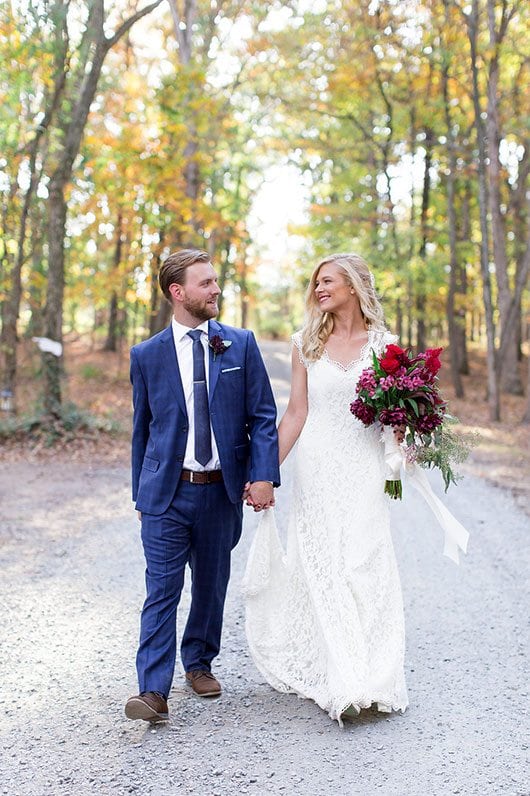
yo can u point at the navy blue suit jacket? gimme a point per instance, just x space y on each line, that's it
242 411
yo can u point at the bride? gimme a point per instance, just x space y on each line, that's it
325 619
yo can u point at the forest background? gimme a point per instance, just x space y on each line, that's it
271 134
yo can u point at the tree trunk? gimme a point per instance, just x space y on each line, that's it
112 331
410 310
53 314
11 307
452 322
425 199
183 26
163 316
399 319
464 234
509 374
472 20
223 271
95 46
526 416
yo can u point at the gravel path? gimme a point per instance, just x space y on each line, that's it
71 592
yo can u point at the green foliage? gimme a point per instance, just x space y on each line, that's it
90 371
67 425
450 449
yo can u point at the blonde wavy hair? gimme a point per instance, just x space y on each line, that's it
318 325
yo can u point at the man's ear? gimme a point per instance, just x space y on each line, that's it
176 291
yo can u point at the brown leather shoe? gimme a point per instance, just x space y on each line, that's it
148 706
204 683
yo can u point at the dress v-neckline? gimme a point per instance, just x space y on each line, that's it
358 358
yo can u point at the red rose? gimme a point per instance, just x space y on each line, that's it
432 361
395 351
390 364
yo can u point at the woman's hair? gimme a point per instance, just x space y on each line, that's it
318 325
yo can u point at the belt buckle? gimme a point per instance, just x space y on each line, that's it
191 476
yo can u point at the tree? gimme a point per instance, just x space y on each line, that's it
80 87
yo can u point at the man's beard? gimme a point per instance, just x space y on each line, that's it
200 309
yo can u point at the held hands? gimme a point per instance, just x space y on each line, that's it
259 495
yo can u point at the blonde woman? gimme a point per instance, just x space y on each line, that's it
325 621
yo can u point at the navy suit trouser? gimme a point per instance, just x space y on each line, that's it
201 527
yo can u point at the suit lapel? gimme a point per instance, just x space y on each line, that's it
171 366
214 362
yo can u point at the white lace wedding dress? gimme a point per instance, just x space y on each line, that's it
324 619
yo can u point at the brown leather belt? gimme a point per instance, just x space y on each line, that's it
207 477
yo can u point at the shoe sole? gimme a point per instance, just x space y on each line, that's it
138 709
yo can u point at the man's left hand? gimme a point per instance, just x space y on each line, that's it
260 495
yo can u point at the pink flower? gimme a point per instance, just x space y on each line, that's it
387 382
367 380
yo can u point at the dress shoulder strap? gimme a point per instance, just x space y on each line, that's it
297 341
380 340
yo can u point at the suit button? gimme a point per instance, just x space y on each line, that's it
184 428
180 458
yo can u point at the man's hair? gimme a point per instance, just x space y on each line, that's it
173 269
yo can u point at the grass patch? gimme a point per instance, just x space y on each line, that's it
89 371
68 424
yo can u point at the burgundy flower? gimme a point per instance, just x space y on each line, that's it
426 424
393 417
363 412
218 345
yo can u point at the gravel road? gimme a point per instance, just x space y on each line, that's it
71 592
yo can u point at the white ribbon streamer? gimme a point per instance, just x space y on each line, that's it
456 536
393 455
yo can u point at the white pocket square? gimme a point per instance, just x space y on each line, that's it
228 370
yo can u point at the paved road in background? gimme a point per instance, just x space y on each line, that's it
71 592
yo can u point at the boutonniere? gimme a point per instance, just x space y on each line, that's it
218 345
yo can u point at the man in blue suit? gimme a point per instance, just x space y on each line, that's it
204 426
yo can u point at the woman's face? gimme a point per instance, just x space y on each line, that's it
332 291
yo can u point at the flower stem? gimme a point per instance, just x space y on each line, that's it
394 489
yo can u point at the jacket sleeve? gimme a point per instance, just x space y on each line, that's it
141 420
261 418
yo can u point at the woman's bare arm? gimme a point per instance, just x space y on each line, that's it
295 415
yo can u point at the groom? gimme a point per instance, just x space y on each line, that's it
203 426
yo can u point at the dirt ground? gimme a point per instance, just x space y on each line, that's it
71 592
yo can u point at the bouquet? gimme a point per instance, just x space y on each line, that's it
401 392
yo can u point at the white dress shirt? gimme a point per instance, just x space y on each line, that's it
183 347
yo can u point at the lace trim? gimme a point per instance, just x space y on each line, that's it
376 340
359 358
297 341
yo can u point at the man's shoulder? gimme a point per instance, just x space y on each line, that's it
233 332
147 345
